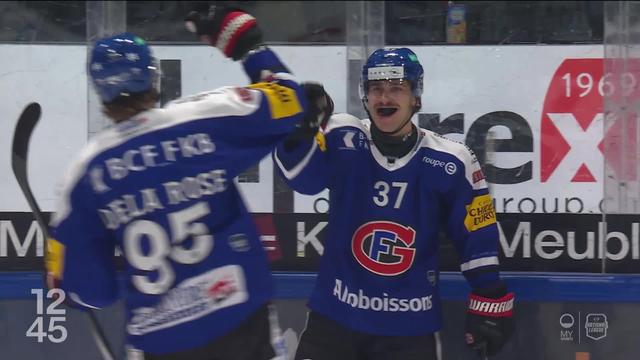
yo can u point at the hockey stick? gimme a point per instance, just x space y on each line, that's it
482 351
19 149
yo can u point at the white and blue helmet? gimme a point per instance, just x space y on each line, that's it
389 64
122 65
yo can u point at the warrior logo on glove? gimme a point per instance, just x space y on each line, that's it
489 319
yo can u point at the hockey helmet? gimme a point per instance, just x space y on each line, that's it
122 65
388 64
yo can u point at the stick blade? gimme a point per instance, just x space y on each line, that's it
26 123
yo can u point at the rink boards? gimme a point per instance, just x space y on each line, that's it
563 317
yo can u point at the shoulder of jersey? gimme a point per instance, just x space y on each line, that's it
443 144
221 102
344 120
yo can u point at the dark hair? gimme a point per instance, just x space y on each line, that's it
125 107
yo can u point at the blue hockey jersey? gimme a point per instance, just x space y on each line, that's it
379 270
160 188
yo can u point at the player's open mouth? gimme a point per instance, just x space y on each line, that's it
386 111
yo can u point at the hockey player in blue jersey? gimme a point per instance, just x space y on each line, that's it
158 185
393 187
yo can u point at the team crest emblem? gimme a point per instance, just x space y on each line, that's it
384 247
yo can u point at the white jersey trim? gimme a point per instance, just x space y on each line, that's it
76 298
480 262
291 174
459 150
398 163
72 176
276 337
426 138
218 103
344 120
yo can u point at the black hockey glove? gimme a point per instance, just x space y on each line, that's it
231 30
319 110
489 322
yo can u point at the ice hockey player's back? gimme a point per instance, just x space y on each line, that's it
160 187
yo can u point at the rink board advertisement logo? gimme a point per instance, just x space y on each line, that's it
384 247
572 123
567 321
527 242
548 242
554 155
21 242
596 326
579 326
547 147
549 158
268 235
547 150
295 242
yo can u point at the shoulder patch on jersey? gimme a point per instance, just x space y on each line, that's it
244 94
477 176
480 213
283 101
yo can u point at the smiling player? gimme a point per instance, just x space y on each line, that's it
393 187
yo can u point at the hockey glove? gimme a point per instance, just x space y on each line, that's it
319 110
231 30
489 322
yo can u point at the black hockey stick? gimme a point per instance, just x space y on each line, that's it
19 149
482 351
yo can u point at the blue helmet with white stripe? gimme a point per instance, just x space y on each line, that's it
388 64
122 65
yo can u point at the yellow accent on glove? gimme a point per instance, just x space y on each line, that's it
283 101
322 142
54 258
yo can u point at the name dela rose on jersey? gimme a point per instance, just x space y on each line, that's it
159 187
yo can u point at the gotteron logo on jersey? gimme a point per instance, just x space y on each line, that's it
384 247
576 140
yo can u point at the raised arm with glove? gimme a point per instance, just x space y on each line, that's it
320 108
231 30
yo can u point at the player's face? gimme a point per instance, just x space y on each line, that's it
390 103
